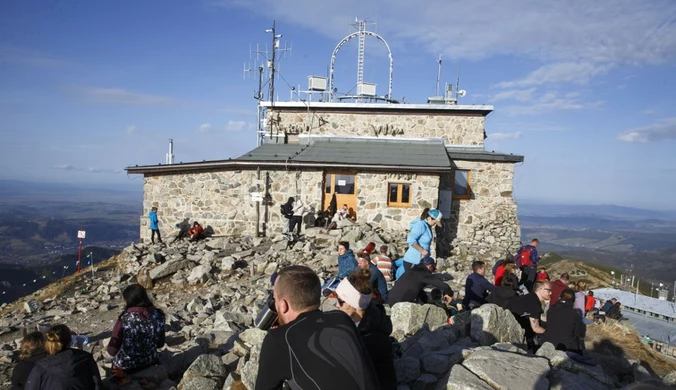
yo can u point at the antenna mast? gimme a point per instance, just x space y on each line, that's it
361 28
170 155
438 76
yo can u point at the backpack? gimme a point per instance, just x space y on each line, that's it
285 209
523 259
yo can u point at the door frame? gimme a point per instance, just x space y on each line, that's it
349 199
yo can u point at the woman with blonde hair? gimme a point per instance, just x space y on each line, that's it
354 299
65 367
32 350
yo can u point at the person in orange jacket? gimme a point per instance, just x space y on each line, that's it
590 301
196 232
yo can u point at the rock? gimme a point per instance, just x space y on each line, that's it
228 263
168 268
491 324
435 363
198 383
463 379
410 317
253 336
199 274
670 378
407 369
207 366
33 306
560 379
561 360
208 258
155 374
507 371
143 278
249 372
425 382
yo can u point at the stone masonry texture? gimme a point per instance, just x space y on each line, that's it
453 128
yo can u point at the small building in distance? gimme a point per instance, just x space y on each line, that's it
386 160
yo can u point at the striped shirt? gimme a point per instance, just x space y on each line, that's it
384 265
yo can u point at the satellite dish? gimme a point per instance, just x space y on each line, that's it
462 93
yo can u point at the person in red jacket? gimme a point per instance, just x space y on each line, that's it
558 286
196 232
542 274
589 302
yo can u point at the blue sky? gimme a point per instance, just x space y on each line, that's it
585 92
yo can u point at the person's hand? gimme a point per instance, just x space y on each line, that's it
425 252
448 299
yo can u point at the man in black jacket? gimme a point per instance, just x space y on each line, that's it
410 286
564 324
311 349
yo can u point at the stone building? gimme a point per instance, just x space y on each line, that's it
386 161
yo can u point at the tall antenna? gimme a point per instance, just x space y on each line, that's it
438 76
360 25
170 155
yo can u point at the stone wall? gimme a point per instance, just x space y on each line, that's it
454 128
373 191
486 225
222 200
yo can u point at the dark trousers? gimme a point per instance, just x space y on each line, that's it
295 222
152 235
528 276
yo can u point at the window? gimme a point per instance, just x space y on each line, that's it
461 188
343 184
399 195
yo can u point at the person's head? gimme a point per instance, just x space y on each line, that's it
534 242
31 344
353 294
429 263
479 267
565 278
507 282
436 294
290 200
384 249
590 293
343 247
345 207
195 223
567 295
613 300
432 217
543 290
543 269
571 285
363 261
297 290
136 296
154 208
617 304
510 267
581 286
58 338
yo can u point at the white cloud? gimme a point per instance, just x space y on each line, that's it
65 167
516 94
238 125
204 127
504 136
68 167
131 129
563 72
551 101
121 96
649 112
21 56
663 130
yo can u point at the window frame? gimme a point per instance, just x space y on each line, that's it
467 196
400 194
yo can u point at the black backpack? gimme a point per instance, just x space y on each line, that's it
286 209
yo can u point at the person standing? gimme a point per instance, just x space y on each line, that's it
527 260
419 240
152 216
311 349
297 217
287 213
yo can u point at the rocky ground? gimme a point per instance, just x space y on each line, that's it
211 291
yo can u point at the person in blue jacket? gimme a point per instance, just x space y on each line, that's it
346 260
477 286
419 240
152 215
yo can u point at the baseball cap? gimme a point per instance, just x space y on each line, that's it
436 216
428 260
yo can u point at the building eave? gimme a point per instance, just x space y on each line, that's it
479 110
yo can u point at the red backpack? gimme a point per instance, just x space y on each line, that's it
523 259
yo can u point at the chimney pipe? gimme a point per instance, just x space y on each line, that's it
170 155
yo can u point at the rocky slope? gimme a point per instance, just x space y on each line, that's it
212 290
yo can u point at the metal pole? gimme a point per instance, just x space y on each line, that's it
79 255
91 255
258 204
652 287
272 67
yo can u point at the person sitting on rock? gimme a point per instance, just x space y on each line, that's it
615 312
527 309
499 271
183 228
542 274
437 299
137 333
564 324
196 232
346 264
477 286
311 349
607 305
558 286
503 294
378 284
341 214
410 287
65 367
589 302
384 263
354 299
32 350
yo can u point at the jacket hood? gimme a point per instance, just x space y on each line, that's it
376 320
415 221
348 253
68 363
144 312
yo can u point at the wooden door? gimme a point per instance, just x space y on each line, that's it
344 185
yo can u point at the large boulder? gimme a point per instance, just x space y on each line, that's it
199 383
199 274
491 324
143 278
168 268
207 366
463 379
409 317
560 379
560 359
509 371
249 372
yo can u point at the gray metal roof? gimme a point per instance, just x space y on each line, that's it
356 151
476 154
637 301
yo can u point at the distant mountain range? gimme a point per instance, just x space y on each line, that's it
599 211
